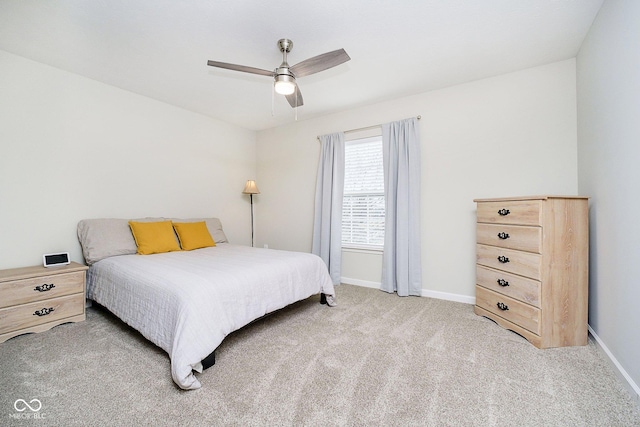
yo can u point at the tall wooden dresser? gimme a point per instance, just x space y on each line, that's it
532 267
34 299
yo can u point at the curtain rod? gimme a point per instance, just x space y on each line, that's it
364 128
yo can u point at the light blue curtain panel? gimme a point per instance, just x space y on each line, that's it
327 225
401 267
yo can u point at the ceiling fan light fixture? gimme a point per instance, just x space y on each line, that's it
285 84
285 76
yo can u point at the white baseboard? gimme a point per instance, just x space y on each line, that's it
622 373
425 293
358 282
449 297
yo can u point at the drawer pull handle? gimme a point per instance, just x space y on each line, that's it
503 282
44 288
503 259
43 312
504 212
502 235
502 306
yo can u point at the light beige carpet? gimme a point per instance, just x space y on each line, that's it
375 360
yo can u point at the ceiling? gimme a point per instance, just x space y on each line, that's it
160 48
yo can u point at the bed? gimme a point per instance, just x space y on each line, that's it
187 301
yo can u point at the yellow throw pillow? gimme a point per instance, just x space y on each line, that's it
154 237
193 235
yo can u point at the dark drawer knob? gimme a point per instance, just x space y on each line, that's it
43 312
504 212
44 288
503 282
503 259
502 306
502 235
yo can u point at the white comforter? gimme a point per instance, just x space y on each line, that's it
187 302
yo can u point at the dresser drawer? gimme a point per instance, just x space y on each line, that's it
516 287
522 263
519 313
24 316
524 238
40 288
520 212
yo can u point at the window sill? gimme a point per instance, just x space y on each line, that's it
363 250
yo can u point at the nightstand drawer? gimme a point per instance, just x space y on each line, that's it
521 212
40 288
520 237
522 263
519 313
517 287
36 313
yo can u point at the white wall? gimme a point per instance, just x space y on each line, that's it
73 148
608 79
509 135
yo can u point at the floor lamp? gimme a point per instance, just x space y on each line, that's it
251 188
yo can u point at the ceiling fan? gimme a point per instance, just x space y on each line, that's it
285 76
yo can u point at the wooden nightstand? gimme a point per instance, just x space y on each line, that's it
35 299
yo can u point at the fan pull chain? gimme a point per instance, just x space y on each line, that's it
296 109
273 96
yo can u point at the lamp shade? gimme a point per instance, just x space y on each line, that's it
250 187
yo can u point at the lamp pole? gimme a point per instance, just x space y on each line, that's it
251 198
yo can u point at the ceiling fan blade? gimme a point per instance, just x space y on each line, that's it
295 99
320 63
243 68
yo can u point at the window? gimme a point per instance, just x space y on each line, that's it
363 202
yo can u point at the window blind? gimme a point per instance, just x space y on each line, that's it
363 202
